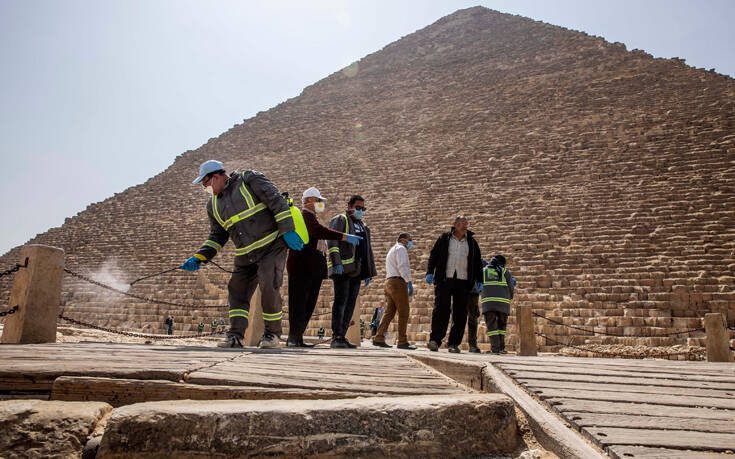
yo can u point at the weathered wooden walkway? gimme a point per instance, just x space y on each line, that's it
628 408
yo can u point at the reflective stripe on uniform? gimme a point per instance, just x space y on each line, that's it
495 332
283 215
495 298
257 244
246 194
243 215
333 250
347 261
213 244
486 281
216 213
239 313
276 316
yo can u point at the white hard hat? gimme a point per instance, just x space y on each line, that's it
311 193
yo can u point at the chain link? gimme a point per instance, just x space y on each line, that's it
14 269
12 310
143 298
618 354
691 330
134 334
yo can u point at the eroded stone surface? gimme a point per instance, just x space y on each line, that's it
427 426
34 428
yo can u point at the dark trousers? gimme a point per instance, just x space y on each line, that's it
473 314
346 290
303 292
496 323
450 298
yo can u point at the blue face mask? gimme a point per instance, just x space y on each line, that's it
358 214
409 246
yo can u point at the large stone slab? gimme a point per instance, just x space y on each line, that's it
426 426
34 428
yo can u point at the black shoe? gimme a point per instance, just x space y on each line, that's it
381 344
475 350
502 351
408 346
338 343
230 341
292 343
349 345
491 351
433 346
454 349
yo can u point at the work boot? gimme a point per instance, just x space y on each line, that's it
268 341
474 349
338 343
230 341
501 344
454 349
433 346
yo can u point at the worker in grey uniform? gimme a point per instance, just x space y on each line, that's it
498 286
248 208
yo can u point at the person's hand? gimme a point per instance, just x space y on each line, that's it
192 264
410 289
478 287
353 239
339 269
429 278
367 282
514 282
293 240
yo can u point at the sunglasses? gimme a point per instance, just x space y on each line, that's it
360 208
206 179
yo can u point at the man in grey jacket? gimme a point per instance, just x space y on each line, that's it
247 208
349 265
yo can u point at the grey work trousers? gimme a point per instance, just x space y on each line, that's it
267 274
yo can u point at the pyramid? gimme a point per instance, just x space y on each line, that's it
605 176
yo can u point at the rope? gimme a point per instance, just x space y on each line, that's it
140 297
617 354
691 330
133 334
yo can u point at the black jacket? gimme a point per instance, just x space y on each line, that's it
440 253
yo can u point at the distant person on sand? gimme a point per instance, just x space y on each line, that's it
349 265
454 267
200 327
169 322
398 288
497 293
307 268
248 208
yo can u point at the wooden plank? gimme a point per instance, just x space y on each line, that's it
675 439
514 368
655 364
643 452
533 384
635 397
540 375
649 422
118 392
586 406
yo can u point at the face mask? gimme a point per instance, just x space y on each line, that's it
358 214
209 190
319 206
409 246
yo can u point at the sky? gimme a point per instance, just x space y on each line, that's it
97 96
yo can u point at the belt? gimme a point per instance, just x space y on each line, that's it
395 277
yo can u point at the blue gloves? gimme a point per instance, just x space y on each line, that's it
410 289
367 281
293 240
429 278
339 269
352 239
478 286
514 282
192 264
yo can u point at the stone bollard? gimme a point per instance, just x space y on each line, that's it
718 348
255 321
526 331
37 293
353 332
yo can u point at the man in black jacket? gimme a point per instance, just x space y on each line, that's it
455 267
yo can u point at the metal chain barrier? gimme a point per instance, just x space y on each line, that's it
691 330
12 310
143 298
134 334
14 269
618 354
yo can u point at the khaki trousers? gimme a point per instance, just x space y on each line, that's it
396 297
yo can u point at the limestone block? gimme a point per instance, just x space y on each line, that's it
437 426
36 428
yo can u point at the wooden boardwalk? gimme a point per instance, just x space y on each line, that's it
628 408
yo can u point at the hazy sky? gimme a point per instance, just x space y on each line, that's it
97 96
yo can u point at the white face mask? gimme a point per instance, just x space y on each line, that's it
319 206
209 190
